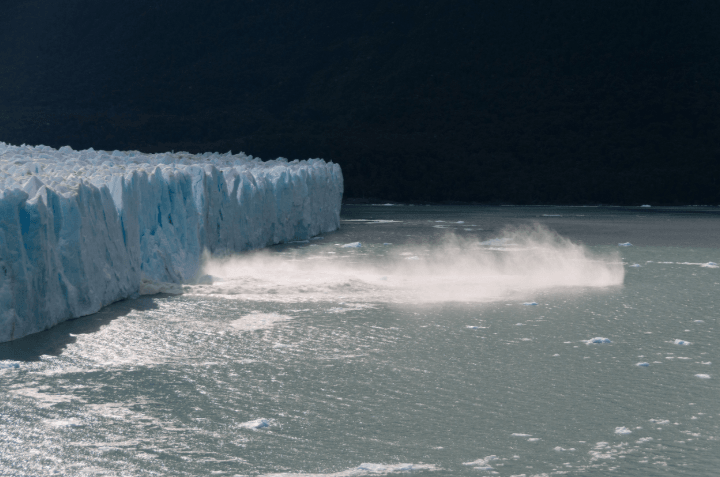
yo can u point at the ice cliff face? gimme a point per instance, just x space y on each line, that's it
82 229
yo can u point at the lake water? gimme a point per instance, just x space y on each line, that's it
452 341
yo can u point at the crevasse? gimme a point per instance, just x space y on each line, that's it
82 229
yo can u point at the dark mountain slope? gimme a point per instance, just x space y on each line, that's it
493 101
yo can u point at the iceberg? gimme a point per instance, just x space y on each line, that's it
597 340
82 229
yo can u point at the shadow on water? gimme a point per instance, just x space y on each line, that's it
53 342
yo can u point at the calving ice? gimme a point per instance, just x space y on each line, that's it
82 229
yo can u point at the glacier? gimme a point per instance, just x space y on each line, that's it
82 229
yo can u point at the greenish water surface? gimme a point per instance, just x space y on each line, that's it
452 341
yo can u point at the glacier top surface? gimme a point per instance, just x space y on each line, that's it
63 169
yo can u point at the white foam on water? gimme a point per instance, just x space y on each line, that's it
482 464
702 376
455 269
72 422
364 469
9 364
152 287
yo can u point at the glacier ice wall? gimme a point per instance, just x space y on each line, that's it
82 229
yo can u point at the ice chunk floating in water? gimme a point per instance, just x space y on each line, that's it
598 340
256 424
82 229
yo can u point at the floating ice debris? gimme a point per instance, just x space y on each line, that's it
256 424
533 439
682 342
646 205
472 327
377 469
699 321
635 265
643 364
707 362
626 244
151 287
710 265
317 238
519 434
460 222
644 439
702 376
660 422
482 464
561 449
352 245
551 215
414 257
622 430
530 303
598 340
7 364
519 324
386 243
